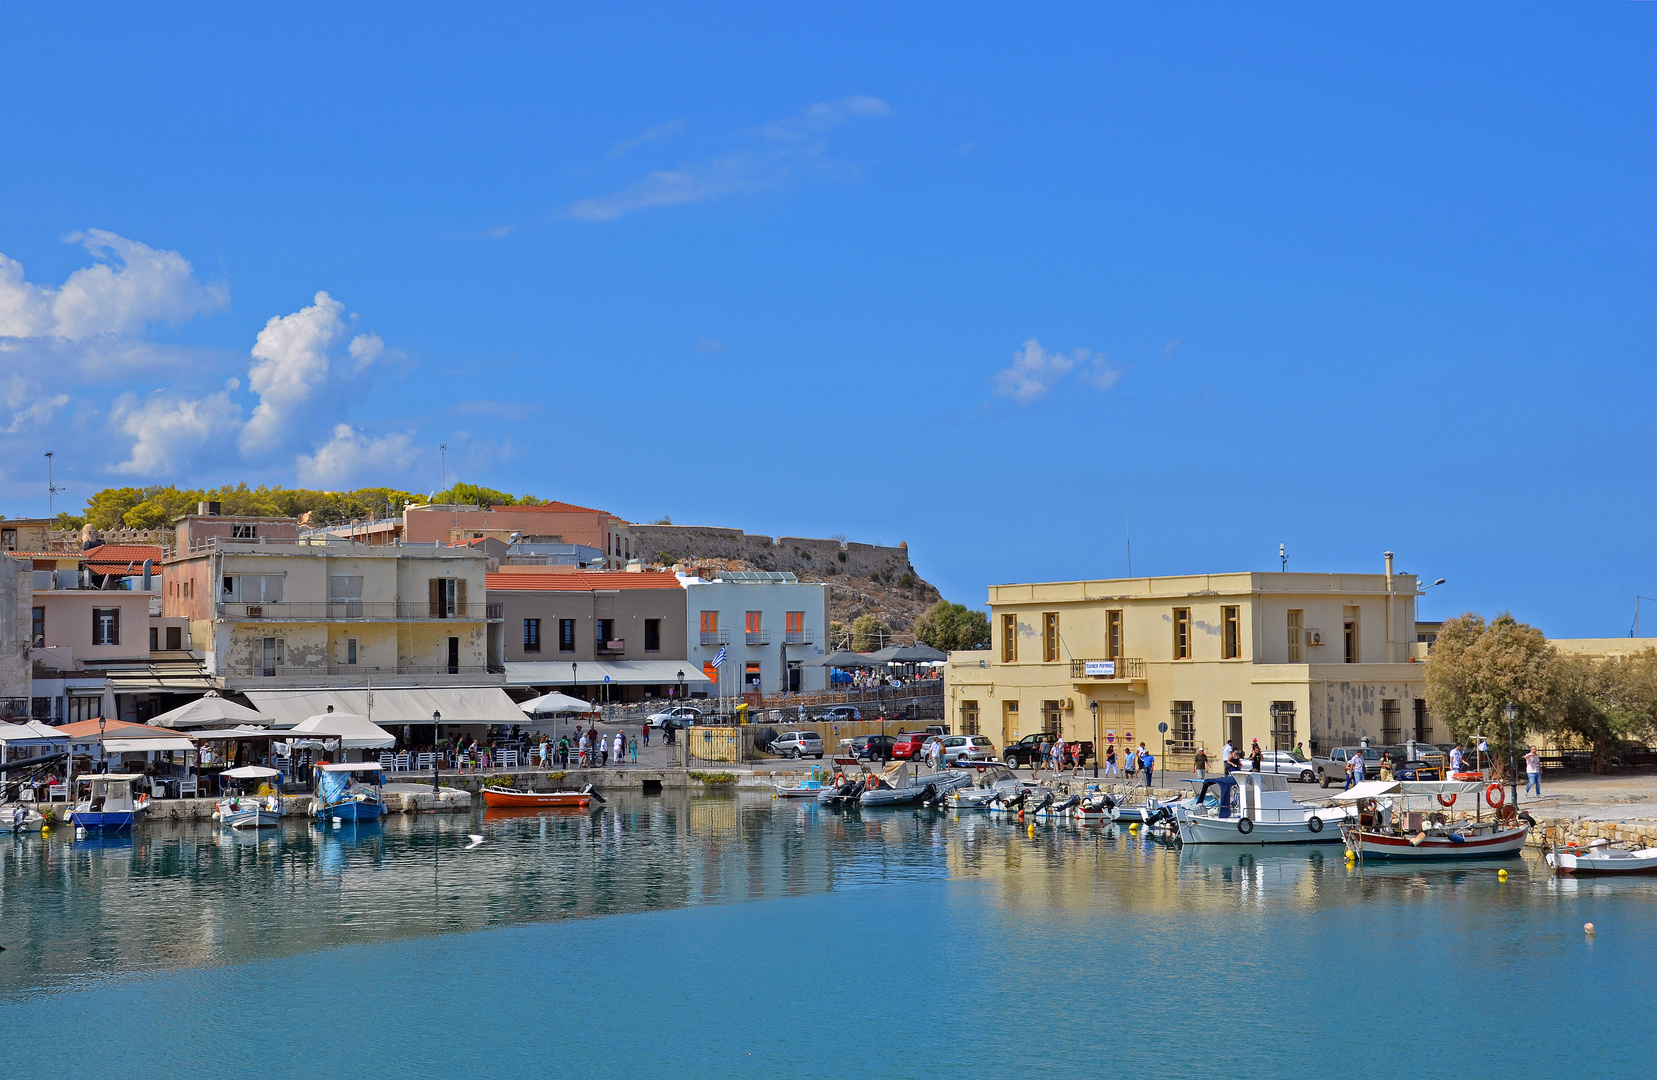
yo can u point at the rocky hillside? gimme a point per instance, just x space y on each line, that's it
863 579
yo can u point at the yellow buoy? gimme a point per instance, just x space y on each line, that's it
1133 828
1501 875
1588 927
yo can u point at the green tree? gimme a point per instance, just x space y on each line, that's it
107 508
1604 702
869 632
1477 668
482 496
839 636
950 626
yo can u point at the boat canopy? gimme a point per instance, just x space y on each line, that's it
352 766
250 772
1374 789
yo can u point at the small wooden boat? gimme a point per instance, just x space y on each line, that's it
250 811
504 797
108 802
805 789
1601 858
340 796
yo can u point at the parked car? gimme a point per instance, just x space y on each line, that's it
910 744
684 714
873 747
1332 769
798 744
1025 750
968 747
838 713
1286 764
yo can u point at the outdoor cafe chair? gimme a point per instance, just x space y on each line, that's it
189 785
388 761
402 762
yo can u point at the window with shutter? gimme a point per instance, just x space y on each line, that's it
434 595
459 608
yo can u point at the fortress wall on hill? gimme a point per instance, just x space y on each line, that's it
799 555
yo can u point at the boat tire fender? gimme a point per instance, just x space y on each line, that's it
1314 823
1494 795
1446 802
1245 826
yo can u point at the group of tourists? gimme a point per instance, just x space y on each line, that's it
1134 763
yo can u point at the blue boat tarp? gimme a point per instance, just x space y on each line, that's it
334 786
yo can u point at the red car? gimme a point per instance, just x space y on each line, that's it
909 744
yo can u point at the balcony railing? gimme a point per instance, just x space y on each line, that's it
612 647
799 637
1125 668
759 637
308 671
716 637
358 610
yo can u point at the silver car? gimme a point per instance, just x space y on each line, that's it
798 744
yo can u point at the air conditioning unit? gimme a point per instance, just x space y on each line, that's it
1314 637
255 611
1064 703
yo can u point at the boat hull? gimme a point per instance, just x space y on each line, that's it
499 798
1206 830
352 810
251 819
111 821
798 792
1493 845
1639 862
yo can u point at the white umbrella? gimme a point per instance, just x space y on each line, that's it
250 772
555 703
210 710
353 732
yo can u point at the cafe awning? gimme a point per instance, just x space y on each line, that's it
139 746
457 704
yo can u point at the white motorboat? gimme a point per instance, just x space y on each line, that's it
1255 808
991 778
250 811
1600 857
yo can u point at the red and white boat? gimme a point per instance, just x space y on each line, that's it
1412 820
1601 858
512 797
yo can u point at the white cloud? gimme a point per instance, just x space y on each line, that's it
168 431
131 286
29 405
291 360
350 455
648 135
785 143
1035 370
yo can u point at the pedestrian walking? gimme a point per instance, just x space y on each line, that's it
1040 758
1533 772
645 732
1457 759
633 750
1130 763
1147 764
1058 756
1300 752
1255 756
1110 760
616 753
1225 756
1201 762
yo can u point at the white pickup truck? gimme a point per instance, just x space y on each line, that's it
1332 769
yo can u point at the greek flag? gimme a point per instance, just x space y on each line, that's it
720 659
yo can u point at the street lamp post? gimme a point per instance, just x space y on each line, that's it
437 758
685 753
1093 707
1512 714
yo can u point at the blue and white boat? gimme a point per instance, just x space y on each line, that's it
248 811
107 802
341 795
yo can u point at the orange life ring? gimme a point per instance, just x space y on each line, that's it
1495 796
873 783
1442 801
839 778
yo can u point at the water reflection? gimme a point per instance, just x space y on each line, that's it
176 894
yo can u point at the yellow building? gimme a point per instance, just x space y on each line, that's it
1318 659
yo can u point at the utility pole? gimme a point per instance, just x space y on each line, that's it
443 467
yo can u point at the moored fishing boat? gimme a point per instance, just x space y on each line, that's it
340 795
1411 820
512 797
1255 808
991 780
108 802
250 811
1600 857
902 791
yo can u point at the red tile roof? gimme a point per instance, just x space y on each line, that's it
118 556
581 581
83 728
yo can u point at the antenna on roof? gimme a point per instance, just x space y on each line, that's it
1283 558
443 468
51 488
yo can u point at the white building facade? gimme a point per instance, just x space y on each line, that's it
768 624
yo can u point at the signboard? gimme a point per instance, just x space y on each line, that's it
1110 736
1163 728
1102 668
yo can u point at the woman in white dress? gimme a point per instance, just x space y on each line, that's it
616 749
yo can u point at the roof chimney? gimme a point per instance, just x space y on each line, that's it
207 509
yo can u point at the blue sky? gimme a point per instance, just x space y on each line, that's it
991 281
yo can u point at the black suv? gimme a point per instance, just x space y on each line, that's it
873 747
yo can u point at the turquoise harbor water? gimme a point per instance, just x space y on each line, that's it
720 936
